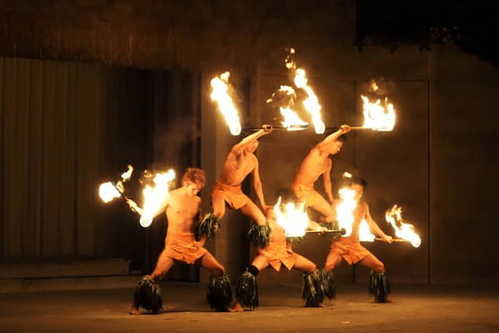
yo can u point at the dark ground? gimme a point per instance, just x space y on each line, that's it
422 310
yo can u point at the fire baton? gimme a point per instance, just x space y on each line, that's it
395 240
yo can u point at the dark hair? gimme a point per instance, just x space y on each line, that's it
194 175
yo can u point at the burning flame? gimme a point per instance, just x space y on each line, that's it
311 103
402 230
220 94
292 122
108 192
345 215
378 116
293 219
155 196
374 86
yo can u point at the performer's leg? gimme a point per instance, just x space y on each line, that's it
373 263
252 210
304 265
219 294
147 293
211 263
379 285
247 287
218 204
332 260
163 265
317 202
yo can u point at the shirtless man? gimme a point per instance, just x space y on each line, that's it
350 249
315 164
239 163
182 211
278 253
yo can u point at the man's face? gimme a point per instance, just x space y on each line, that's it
192 188
335 147
359 190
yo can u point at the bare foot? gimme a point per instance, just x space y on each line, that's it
236 308
134 311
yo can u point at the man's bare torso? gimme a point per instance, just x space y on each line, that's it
312 167
182 211
359 214
237 167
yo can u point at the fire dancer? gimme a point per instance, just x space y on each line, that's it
315 164
350 249
182 209
239 163
279 253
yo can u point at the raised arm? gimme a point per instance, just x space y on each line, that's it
334 136
326 177
250 139
257 186
375 228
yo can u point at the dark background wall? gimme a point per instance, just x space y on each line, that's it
439 162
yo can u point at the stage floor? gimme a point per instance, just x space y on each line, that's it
422 310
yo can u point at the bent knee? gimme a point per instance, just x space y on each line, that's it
379 267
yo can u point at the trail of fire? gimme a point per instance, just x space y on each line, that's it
345 215
379 114
293 218
403 230
154 195
221 94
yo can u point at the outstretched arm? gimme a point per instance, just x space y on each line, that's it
334 136
257 186
375 228
326 177
250 139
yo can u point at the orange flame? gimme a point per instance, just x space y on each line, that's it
293 219
220 93
378 116
402 230
108 192
345 215
155 196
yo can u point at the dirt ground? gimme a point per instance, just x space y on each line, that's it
413 309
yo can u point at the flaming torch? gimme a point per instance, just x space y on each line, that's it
403 231
293 218
292 121
109 191
155 197
220 93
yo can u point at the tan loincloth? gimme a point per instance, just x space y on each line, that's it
277 252
349 249
182 246
233 195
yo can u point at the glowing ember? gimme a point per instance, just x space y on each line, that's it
155 196
108 192
374 86
347 174
220 93
377 115
345 215
293 219
402 230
